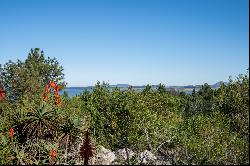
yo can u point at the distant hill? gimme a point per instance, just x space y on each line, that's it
72 91
177 88
218 84
120 85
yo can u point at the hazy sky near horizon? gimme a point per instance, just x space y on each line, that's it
138 42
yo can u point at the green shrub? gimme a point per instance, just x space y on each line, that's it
209 140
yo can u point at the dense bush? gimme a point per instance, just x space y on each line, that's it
207 127
145 119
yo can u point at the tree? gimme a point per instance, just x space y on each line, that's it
147 89
30 76
233 101
161 88
193 93
207 95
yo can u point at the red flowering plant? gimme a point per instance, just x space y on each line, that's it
42 122
2 93
52 84
53 88
57 96
11 133
52 155
45 94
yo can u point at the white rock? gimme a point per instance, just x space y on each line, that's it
105 156
147 156
122 153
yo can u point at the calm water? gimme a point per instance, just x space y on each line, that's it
73 91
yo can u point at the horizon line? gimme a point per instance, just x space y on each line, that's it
147 84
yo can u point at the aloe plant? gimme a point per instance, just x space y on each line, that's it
40 123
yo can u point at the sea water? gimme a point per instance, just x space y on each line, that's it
74 91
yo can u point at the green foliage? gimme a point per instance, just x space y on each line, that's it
207 139
40 122
199 102
207 127
161 88
148 88
120 117
30 76
5 150
216 126
233 101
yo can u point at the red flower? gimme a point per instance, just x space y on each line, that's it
11 133
57 88
2 93
57 96
52 84
59 104
52 153
45 95
86 149
46 88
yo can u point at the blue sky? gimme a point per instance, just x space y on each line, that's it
175 42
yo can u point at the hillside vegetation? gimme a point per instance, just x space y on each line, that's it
38 126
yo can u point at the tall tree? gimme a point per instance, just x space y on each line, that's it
30 76
161 88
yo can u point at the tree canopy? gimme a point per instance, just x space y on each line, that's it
29 77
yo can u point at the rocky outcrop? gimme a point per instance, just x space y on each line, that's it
103 157
119 157
121 153
147 157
